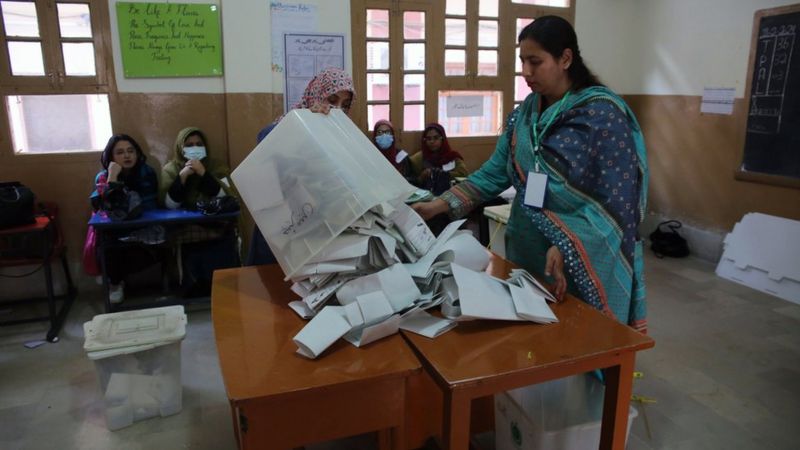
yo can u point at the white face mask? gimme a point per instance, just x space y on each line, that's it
197 153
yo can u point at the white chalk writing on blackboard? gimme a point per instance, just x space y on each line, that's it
773 57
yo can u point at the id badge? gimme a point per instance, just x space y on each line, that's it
535 188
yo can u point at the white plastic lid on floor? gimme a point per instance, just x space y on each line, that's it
311 178
128 332
767 242
763 252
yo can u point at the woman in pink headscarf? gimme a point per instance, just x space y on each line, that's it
331 88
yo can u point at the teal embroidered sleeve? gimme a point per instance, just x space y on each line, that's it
487 182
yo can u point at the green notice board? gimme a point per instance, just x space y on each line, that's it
169 39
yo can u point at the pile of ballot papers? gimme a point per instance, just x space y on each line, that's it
386 270
365 264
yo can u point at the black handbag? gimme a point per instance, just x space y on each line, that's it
16 205
669 242
218 205
121 203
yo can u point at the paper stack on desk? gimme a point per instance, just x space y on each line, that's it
369 301
360 288
518 298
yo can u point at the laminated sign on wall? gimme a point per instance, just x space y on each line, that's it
169 39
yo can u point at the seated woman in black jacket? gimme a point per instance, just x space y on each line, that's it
124 167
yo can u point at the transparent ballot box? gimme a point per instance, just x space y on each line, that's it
562 414
311 178
137 355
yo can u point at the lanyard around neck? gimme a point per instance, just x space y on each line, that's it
537 136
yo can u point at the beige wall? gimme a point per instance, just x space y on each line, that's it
661 54
693 158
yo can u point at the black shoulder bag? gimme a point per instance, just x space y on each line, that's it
121 203
16 205
669 242
218 205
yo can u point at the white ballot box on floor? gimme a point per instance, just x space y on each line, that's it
138 359
562 414
311 178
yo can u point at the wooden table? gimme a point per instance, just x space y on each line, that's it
280 399
482 358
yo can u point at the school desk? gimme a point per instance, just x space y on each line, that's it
174 221
281 400
482 358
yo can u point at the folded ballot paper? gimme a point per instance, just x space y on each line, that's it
481 296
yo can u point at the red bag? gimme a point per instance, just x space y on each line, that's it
90 264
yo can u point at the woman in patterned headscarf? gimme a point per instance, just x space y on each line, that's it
575 153
331 88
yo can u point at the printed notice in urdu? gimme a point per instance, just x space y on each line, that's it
717 101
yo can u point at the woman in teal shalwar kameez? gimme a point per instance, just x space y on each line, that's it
584 140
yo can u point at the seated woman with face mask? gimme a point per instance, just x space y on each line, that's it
383 138
192 175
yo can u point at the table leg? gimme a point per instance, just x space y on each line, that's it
395 437
101 256
385 439
69 297
619 386
52 333
456 420
391 439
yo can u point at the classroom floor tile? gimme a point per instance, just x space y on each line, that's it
723 373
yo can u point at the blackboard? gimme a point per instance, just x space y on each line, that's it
772 137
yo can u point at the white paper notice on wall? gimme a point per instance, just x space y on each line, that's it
289 18
306 55
717 101
465 106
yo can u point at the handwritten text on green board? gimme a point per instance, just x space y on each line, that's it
169 39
